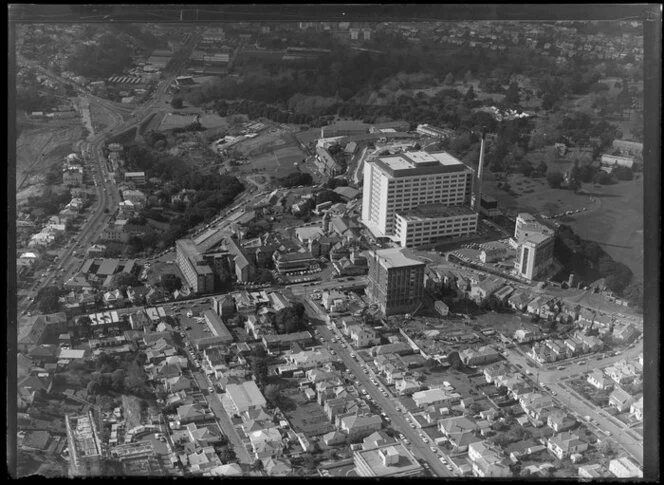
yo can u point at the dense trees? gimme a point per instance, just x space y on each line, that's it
171 282
259 364
107 57
47 299
295 179
555 179
590 262
290 319
177 102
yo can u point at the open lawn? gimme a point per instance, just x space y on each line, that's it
613 216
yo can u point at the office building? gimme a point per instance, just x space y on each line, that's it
196 271
398 185
396 282
85 446
389 460
534 243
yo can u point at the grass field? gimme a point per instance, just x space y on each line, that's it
613 216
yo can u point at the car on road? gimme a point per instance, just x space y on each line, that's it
581 362
560 367
406 441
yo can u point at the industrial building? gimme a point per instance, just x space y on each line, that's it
395 186
396 282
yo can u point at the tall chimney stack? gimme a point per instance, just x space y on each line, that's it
478 182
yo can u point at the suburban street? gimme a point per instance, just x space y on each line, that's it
554 379
398 421
227 427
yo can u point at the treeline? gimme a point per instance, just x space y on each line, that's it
296 179
590 262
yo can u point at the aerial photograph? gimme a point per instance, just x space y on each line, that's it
329 249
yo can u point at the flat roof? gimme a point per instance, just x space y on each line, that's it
420 163
108 266
405 463
435 211
394 258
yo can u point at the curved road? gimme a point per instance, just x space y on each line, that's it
107 193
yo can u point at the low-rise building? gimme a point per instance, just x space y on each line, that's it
488 461
620 399
624 467
390 460
565 444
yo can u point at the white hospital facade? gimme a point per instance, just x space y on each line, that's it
416 198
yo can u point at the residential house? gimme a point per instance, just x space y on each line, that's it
376 440
191 413
594 470
488 461
565 444
636 409
277 467
625 333
624 467
266 443
435 397
597 379
460 431
574 346
525 335
308 359
406 387
536 405
480 356
620 399
358 426
560 421
334 438
363 336
333 301
519 301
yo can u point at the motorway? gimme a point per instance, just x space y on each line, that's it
375 391
107 192
554 380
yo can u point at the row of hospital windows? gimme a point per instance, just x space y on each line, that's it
452 199
429 179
